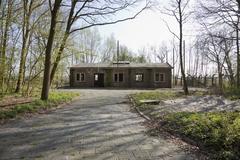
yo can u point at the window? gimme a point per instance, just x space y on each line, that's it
159 77
115 77
118 77
139 77
96 77
162 77
80 77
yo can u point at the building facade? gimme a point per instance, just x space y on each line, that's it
121 74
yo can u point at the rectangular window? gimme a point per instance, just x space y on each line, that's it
80 77
159 77
162 77
96 77
139 77
120 77
115 77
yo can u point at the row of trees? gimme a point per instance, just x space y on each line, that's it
216 38
220 42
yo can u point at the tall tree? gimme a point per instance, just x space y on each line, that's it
4 41
215 49
178 11
48 52
27 29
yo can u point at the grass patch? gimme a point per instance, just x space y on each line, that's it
232 93
218 132
55 99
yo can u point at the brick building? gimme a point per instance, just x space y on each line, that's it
121 74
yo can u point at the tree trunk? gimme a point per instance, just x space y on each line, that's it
185 87
25 42
58 58
230 70
220 78
63 42
48 54
238 56
4 46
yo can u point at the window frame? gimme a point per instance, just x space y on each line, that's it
116 77
80 77
119 78
142 75
159 77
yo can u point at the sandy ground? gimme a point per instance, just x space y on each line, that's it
207 103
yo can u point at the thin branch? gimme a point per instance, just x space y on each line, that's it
169 29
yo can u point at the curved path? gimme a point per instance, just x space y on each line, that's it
98 126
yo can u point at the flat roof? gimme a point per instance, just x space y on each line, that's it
115 65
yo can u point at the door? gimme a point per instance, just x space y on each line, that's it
98 80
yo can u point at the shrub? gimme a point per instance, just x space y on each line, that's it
219 132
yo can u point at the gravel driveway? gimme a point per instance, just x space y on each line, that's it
98 126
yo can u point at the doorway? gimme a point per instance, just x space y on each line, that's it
98 80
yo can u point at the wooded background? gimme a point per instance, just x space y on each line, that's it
40 39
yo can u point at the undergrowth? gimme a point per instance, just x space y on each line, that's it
216 132
55 99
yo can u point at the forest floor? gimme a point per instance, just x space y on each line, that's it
97 126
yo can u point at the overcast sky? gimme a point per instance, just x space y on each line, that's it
147 29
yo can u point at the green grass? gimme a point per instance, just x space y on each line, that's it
218 132
232 93
55 99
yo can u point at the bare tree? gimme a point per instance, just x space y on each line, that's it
177 10
109 49
222 13
162 54
216 50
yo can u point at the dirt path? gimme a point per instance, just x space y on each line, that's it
99 126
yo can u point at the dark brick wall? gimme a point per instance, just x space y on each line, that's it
128 78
